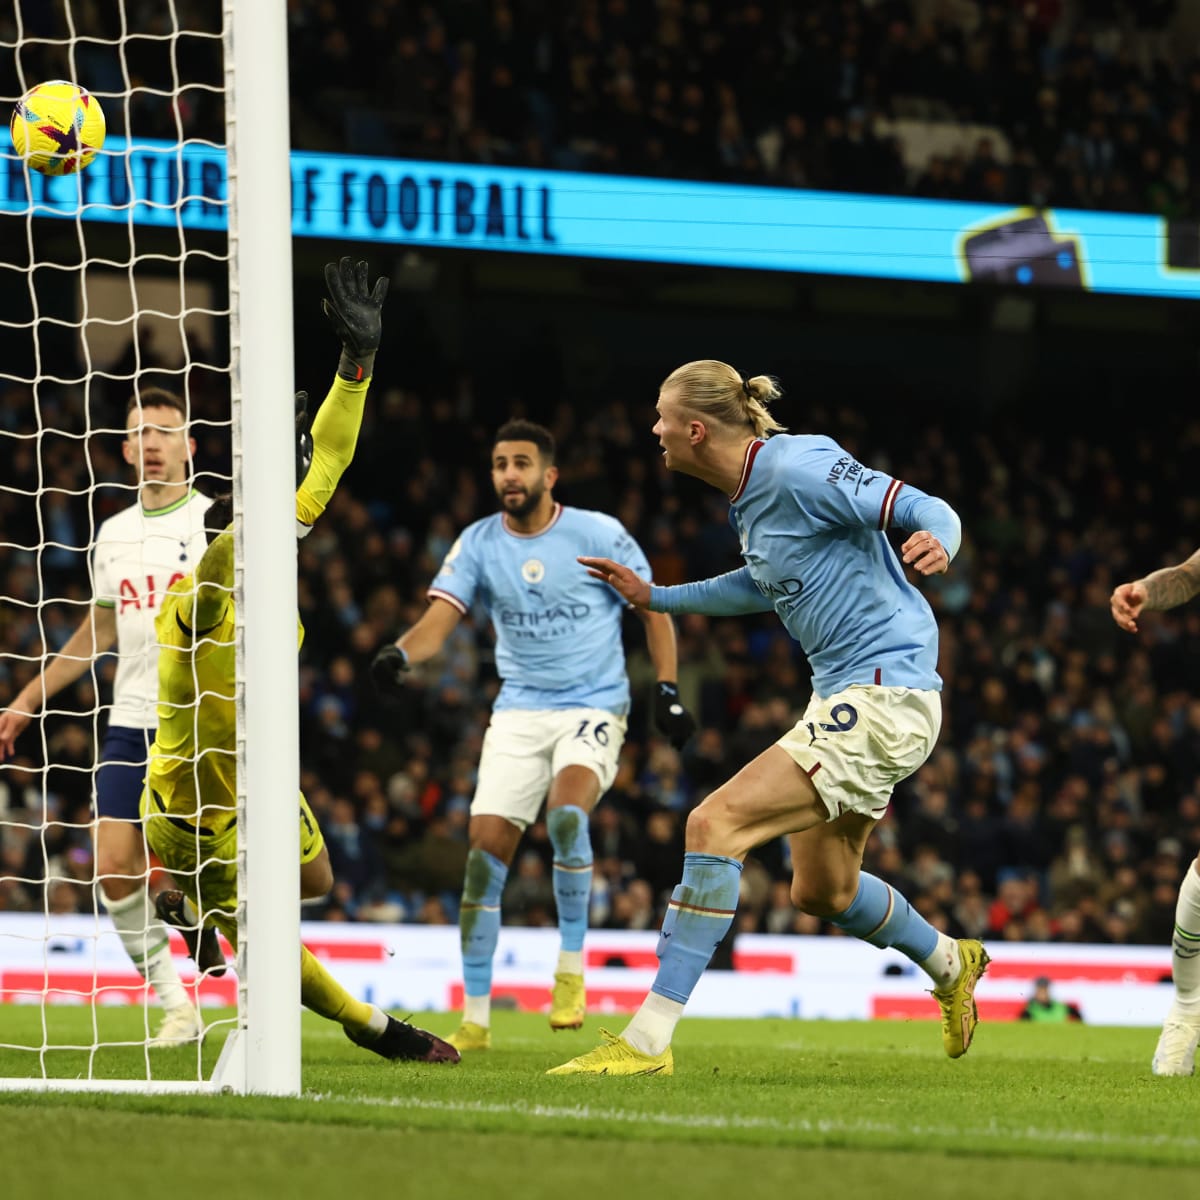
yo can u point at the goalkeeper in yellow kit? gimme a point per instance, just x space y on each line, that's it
189 803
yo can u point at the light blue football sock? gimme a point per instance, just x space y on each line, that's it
882 916
698 917
479 919
568 828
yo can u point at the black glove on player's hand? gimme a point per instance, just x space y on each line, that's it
388 669
355 311
670 717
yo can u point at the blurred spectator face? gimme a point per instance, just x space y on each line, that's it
710 745
375 813
1037 927
433 912
12 850
934 802
531 867
664 761
342 815
1070 926
641 898
78 863
62 897
660 827
1125 881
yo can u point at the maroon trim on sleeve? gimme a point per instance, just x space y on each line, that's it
889 503
438 594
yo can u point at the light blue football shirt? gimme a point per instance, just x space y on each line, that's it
810 520
558 630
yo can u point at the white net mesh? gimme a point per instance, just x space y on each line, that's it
112 282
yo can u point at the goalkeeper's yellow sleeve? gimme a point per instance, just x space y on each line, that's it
334 435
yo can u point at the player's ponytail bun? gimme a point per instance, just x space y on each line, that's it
715 391
760 391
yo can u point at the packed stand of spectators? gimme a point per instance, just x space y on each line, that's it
1050 102
1084 105
1063 801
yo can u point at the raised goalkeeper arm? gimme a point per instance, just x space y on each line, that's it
214 585
355 310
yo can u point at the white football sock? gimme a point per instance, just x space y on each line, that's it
1185 945
653 1024
478 1010
570 962
377 1022
944 965
147 942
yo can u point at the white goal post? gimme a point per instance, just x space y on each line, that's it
260 275
261 1053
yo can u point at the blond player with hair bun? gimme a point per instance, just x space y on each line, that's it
812 523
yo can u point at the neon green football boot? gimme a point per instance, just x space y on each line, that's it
568 1001
469 1037
617 1057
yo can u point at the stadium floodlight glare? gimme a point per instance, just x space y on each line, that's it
79 318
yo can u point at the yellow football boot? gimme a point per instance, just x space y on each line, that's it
617 1057
469 1037
959 1014
568 1001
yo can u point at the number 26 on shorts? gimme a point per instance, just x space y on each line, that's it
599 732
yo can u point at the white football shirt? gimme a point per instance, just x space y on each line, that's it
136 557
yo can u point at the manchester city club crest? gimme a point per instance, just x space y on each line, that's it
533 571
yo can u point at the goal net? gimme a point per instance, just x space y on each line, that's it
124 290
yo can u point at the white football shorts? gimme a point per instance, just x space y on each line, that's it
524 750
857 744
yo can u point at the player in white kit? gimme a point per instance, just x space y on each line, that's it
1175 1053
137 555
558 723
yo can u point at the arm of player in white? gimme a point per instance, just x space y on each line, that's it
1162 589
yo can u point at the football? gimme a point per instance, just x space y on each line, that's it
57 127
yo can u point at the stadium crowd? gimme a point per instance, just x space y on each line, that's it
1051 102
1068 105
1063 801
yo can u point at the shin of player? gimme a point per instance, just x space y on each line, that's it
559 721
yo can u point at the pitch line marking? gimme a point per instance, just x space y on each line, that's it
585 1112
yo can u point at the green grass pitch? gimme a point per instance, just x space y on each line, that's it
755 1108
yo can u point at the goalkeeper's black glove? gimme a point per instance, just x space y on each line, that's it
673 720
388 669
304 445
354 310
